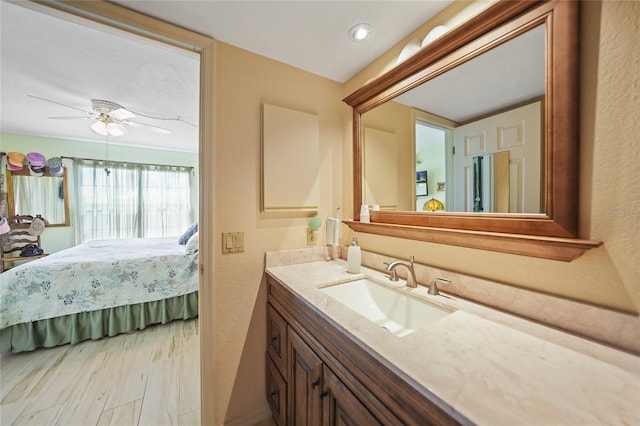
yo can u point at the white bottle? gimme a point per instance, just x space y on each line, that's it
365 217
354 257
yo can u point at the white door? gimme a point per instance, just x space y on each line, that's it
517 131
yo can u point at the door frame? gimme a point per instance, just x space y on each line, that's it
138 24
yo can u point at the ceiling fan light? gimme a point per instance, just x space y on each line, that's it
114 130
100 128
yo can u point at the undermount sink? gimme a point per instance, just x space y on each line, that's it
398 312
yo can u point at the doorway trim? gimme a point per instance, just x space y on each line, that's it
136 23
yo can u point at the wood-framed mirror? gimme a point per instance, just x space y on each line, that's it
550 228
44 195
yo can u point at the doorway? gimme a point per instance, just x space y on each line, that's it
432 166
147 30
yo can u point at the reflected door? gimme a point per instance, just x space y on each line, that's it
517 132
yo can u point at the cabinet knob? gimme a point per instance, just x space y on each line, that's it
323 394
315 383
275 338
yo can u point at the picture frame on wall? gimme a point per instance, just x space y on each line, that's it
422 187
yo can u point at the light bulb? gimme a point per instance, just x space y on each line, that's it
361 34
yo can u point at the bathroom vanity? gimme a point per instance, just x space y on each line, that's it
319 374
329 364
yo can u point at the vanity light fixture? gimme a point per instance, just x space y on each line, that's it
360 32
435 33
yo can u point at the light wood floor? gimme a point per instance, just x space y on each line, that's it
150 377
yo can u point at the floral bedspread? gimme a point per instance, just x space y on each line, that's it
97 275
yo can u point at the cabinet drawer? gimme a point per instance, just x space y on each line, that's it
277 339
276 393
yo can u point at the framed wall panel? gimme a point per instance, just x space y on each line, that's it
290 161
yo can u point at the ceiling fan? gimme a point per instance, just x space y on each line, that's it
111 118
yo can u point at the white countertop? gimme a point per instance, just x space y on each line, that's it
482 369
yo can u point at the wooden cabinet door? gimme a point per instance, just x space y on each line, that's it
277 339
276 393
304 382
341 407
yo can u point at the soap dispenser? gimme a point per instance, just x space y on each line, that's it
354 257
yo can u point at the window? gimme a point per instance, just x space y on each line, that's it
131 200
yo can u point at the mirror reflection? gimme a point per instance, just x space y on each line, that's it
491 183
471 138
38 195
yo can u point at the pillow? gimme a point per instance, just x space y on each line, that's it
187 234
192 244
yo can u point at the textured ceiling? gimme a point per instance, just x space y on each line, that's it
71 63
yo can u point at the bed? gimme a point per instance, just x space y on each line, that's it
96 289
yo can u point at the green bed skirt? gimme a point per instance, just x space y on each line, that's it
94 325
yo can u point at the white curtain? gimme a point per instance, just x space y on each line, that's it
165 199
131 200
39 195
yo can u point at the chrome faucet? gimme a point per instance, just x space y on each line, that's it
411 274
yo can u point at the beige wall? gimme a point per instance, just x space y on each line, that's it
610 204
243 81
395 118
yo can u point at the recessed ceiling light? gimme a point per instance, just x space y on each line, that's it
360 32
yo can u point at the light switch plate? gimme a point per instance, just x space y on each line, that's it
232 242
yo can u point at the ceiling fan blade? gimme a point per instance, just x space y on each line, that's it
161 130
70 118
58 103
173 118
151 127
121 114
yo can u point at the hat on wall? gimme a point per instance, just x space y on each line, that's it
15 161
36 159
4 226
55 166
36 171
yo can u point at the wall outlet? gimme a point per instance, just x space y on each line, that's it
312 237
